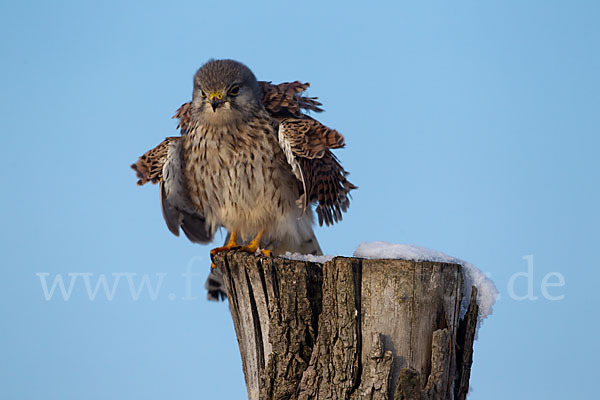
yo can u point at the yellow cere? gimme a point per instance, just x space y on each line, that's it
218 95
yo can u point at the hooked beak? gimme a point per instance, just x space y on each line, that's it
216 99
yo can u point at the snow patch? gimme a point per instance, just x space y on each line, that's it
307 257
486 290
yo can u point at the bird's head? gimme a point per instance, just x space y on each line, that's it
224 92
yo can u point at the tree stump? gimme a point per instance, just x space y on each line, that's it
350 328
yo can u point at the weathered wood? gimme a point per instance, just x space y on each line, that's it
350 328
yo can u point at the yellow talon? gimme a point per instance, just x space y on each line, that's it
266 253
254 245
251 248
231 244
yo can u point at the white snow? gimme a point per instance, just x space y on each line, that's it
486 290
307 257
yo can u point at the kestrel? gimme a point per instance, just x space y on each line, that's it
249 160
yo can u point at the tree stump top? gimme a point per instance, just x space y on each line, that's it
350 328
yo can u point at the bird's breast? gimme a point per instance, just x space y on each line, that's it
238 175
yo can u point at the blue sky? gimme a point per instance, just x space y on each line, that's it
471 128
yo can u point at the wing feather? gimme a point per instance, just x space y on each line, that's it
184 116
287 147
306 144
149 167
327 186
163 164
285 99
309 138
178 209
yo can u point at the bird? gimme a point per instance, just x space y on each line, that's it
251 160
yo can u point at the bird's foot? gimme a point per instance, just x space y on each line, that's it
222 249
266 253
231 245
253 247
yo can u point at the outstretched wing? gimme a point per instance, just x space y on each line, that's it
284 100
163 164
306 144
308 138
149 167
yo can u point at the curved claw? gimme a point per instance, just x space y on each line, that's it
231 245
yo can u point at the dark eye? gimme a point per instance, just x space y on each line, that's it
202 93
234 91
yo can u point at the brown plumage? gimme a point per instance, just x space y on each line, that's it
286 100
309 138
326 182
327 186
250 160
149 167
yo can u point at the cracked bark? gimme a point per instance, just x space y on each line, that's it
350 328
